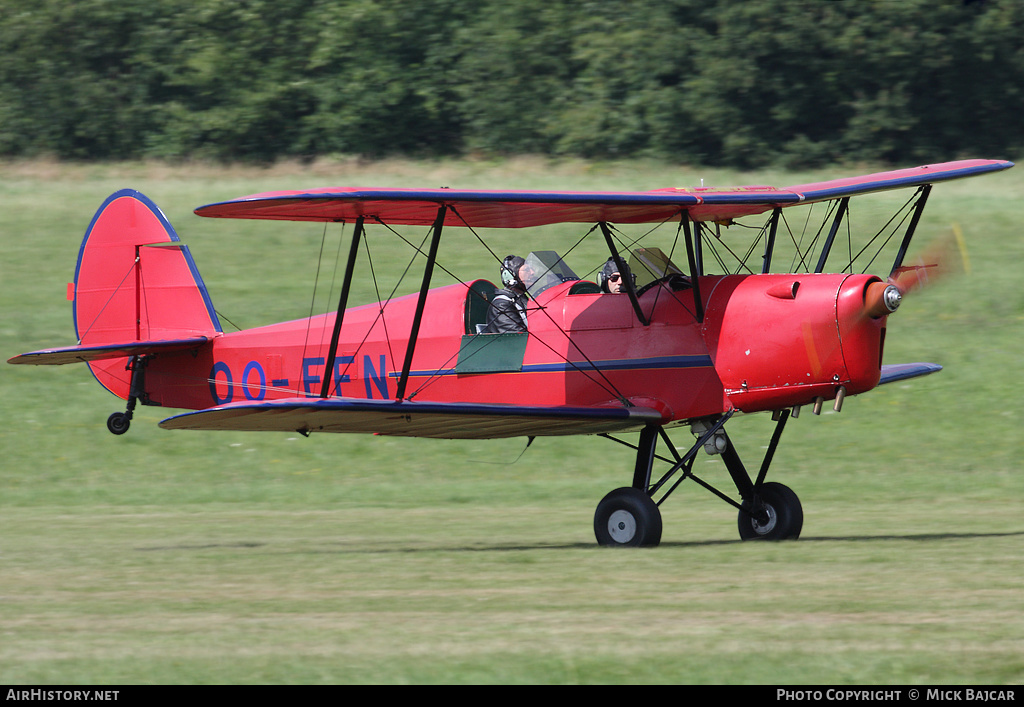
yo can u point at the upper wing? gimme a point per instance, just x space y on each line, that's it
521 209
412 419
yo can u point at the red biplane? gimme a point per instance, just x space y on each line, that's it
680 346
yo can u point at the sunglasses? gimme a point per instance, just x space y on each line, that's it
614 278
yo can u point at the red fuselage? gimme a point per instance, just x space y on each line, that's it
766 342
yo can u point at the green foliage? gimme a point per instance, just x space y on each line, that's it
740 83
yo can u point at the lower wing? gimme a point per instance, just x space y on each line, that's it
413 419
903 371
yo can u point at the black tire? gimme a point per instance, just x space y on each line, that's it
627 517
785 515
118 423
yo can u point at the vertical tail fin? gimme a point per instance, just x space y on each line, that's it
134 282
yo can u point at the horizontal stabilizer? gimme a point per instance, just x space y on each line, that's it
412 419
903 371
77 354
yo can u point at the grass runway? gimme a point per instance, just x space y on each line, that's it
220 558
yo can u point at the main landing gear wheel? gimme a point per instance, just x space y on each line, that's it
783 517
118 423
627 517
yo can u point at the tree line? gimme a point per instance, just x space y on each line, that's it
738 83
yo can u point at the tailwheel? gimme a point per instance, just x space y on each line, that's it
774 514
627 517
118 423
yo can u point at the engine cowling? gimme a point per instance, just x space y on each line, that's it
784 340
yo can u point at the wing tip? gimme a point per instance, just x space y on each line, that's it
905 371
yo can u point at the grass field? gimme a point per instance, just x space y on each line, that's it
179 557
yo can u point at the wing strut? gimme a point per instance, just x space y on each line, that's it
417 319
925 191
342 304
769 247
694 269
698 246
627 281
840 212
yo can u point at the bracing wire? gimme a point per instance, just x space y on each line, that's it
316 282
109 300
384 302
902 214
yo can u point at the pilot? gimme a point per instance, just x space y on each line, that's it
610 279
507 313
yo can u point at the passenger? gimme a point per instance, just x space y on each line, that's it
610 279
507 313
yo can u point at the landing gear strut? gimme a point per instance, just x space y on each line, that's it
119 422
630 517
